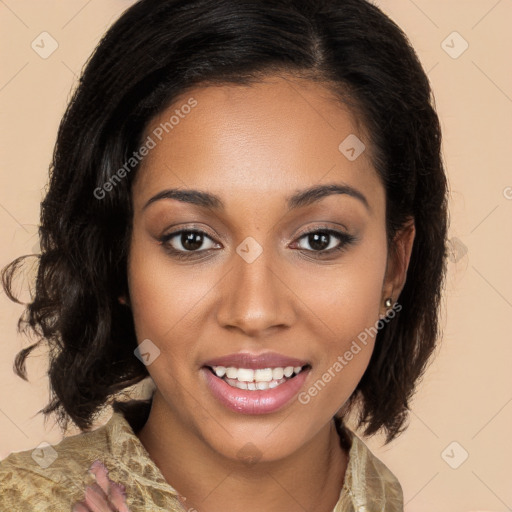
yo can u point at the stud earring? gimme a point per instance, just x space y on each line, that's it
388 302
123 301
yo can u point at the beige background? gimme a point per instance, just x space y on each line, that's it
466 395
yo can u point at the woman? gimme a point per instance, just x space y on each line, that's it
247 203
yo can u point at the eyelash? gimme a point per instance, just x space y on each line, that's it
344 238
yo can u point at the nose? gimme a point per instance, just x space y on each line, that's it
255 297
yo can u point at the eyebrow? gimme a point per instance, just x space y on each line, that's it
299 199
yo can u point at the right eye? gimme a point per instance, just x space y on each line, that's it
184 241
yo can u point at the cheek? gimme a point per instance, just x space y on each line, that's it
163 298
347 304
348 299
163 295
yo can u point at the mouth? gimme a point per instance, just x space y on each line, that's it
258 379
255 385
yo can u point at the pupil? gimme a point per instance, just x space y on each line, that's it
319 241
191 241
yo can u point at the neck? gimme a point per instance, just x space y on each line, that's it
309 479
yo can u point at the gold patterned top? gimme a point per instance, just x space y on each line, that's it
52 478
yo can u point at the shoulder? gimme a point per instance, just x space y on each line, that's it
369 482
50 478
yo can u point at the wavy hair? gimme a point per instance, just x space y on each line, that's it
154 53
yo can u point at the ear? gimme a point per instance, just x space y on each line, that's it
399 256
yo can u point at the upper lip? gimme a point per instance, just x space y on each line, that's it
255 361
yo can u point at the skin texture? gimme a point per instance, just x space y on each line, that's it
253 147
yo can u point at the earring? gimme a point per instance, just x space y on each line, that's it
123 301
388 302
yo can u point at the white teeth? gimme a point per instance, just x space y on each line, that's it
253 386
220 371
262 378
277 373
231 373
259 375
262 375
246 375
288 371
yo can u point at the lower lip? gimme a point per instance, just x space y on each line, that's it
261 401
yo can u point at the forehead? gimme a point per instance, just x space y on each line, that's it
257 142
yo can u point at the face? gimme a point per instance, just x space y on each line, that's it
217 282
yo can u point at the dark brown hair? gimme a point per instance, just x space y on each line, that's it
158 50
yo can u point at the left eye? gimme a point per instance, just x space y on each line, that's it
319 240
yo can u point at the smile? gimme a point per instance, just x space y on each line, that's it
254 390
